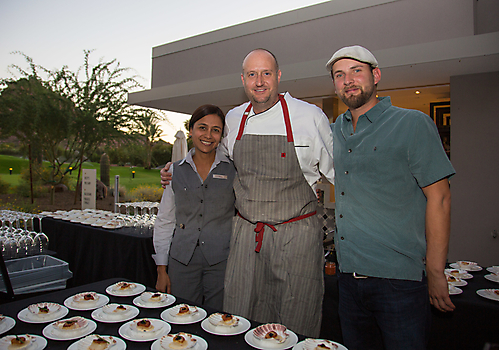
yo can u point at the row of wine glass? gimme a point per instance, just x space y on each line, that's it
18 236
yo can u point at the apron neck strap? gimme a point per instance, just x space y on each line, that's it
285 112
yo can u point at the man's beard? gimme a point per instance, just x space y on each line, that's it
357 101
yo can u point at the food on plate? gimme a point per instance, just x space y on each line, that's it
468 265
43 309
120 308
17 341
101 343
71 324
115 309
496 291
86 298
271 332
150 297
319 344
124 287
451 278
180 340
96 342
143 325
183 310
223 319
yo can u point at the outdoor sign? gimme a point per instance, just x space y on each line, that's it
88 189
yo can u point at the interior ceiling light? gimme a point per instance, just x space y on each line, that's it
418 92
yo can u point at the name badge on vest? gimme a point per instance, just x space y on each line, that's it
220 177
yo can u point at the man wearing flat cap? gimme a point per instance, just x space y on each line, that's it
392 211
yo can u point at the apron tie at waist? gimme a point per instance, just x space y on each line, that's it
260 227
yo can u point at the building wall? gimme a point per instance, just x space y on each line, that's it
475 156
389 25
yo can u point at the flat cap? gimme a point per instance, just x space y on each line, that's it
356 52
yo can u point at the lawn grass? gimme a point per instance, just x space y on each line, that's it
127 180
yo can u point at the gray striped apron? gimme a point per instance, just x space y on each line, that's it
275 274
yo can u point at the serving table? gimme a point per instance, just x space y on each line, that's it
214 341
95 254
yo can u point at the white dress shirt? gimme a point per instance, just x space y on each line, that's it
312 135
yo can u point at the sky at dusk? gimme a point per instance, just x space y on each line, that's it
55 32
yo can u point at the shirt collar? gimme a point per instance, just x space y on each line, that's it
375 112
219 157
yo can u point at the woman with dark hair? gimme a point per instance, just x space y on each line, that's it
194 223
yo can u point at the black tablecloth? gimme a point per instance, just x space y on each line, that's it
214 341
95 254
474 322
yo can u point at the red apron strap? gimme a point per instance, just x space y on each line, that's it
243 122
260 227
285 112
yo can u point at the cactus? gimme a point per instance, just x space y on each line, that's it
104 169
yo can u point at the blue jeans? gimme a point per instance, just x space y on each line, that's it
380 313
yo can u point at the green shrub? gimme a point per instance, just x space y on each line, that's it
24 189
10 149
144 193
4 186
161 153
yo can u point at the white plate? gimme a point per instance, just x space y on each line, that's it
493 269
471 267
454 290
103 300
461 274
169 300
258 344
38 343
488 293
112 227
458 282
201 344
26 316
300 346
101 316
198 316
127 333
139 288
242 327
48 332
120 343
492 277
7 324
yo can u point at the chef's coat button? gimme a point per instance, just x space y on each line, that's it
342 193
205 186
182 226
342 238
349 151
201 215
351 134
201 201
341 216
202 242
199 228
346 172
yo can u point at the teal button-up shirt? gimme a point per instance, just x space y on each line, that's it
379 172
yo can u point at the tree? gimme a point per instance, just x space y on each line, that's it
148 126
39 118
96 109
